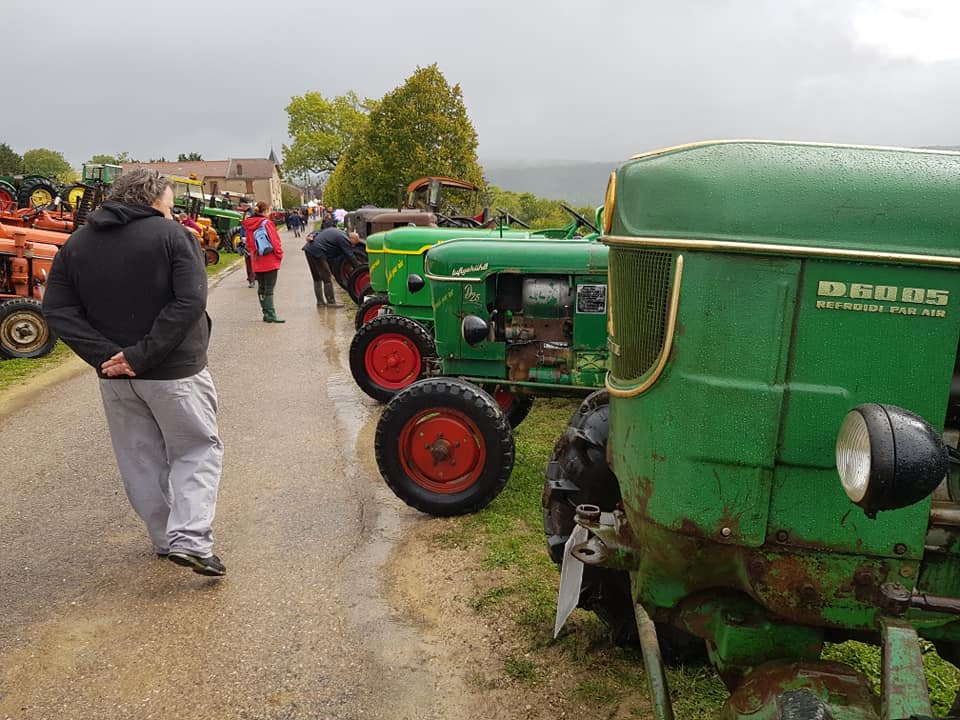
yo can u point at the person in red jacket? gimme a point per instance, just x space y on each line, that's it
265 267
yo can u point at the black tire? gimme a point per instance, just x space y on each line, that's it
358 283
341 268
42 186
577 474
211 256
368 308
515 407
24 332
388 354
230 241
8 197
442 426
71 195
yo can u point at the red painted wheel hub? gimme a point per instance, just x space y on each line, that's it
392 361
361 283
442 450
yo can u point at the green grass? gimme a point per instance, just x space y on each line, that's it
602 676
19 371
226 260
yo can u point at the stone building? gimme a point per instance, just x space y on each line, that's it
253 178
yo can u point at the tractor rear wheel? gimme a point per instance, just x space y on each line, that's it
24 332
515 407
211 256
72 194
358 284
8 197
231 244
36 192
369 309
579 474
444 447
389 353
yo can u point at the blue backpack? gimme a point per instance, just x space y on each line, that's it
262 240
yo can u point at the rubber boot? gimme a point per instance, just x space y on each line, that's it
263 307
269 313
331 298
318 291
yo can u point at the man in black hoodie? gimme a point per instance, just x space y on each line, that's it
128 293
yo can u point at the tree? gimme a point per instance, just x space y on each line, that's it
189 157
420 128
322 130
10 162
48 163
290 196
118 159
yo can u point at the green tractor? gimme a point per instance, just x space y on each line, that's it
26 191
190 197
513 318
87 195
392 351
780 418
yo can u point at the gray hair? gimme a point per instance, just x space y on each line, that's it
139 187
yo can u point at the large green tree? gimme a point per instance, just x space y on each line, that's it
322 130
10 162
50 163
420 128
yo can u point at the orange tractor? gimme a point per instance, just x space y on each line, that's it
26 255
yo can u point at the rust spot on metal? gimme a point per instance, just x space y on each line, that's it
763 686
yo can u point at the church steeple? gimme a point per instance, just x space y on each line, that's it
273 156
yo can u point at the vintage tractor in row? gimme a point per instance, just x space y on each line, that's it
513 319
401 295
25 259
217 224
26 191
773 462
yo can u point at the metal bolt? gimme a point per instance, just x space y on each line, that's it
726 532
899 548
782 535
906 571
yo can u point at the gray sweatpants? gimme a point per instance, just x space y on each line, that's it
164 435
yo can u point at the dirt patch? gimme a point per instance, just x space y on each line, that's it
501 669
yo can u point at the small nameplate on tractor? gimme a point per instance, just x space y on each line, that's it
592 299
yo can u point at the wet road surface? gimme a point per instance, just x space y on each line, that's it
92 625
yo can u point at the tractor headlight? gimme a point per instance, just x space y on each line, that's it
415 283
888 457
474 329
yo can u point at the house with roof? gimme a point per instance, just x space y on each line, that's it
253 178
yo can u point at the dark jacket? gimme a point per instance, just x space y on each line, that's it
330 243
134 281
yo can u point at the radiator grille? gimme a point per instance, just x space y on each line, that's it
640 286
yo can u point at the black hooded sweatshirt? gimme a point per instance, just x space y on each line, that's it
131 280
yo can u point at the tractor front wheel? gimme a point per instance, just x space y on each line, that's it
358 283
8 197
389 353
444 447
211 256
369 309
36 192
24 332
578 474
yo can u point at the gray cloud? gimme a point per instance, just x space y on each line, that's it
542 80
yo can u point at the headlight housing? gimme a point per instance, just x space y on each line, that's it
888 457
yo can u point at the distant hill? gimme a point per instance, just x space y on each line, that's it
577 183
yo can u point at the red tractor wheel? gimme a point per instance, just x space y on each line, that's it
515 407
444 447
24 332
211 256
358 284
369 309
8 197
389 353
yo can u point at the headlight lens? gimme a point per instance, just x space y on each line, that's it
853 456
888 458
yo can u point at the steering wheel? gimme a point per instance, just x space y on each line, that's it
509 219
581 220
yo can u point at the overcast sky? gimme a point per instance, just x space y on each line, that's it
543 80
